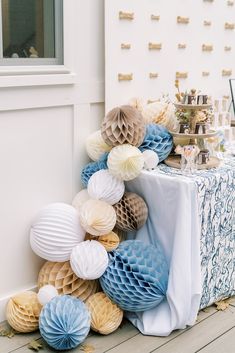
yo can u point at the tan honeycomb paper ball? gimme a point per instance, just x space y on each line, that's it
131 211
123 124
125 162
22 312
61 276
109 241
97 217
106 316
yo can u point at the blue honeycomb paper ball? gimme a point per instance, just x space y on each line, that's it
157 139
93 167
137 276
64 322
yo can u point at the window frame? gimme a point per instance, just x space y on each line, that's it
45 74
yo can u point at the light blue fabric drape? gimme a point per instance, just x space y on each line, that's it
193 219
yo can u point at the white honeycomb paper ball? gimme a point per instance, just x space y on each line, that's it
55 231
46 293
125 162
89 260
105 187
95 146
151 159
80 199
97 217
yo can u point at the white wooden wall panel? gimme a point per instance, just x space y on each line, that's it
140 61
43 128
36 169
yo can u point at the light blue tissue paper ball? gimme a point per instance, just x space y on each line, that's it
157 139
93 167
64 322
137 276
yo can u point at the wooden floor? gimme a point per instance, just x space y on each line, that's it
214 332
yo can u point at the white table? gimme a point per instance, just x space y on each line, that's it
193 219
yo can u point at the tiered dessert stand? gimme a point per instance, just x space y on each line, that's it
194 138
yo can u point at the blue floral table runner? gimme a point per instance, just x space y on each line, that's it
216 199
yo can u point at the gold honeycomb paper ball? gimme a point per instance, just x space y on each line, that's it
109 241
131 211
106 316
122 235
123 124
61 276
22 312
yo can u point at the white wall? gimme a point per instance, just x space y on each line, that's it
42 133
140 61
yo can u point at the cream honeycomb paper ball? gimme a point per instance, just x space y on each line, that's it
22 312
137 103
46 293
89 260
97 217
105 187
109 241
55 232
61 276
125 162
106 316
132 212
151 159
122 125
161 112
80 199
96 146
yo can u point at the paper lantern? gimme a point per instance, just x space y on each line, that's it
162 113
106 316
137 276
89 260
55 232
123 125
151 159
22 312
159 140
97 217
105 187
125 162
95 146
93 167
131 211
122 235
46 293
61 276
64 322
80 199
109 241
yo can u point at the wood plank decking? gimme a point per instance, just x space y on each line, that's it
214 332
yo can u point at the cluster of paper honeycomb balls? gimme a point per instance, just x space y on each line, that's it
81 242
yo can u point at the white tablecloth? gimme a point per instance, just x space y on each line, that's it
175 221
